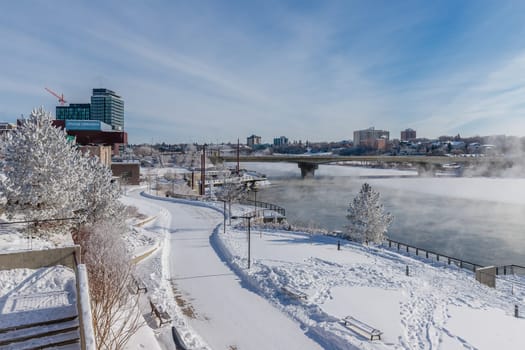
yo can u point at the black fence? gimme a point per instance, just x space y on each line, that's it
510 270
428 254
264 205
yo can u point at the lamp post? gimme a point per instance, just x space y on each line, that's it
249 241
224 212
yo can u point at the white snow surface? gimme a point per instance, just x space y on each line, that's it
203 295
435 307
34 295
199 275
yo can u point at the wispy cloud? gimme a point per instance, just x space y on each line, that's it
219 71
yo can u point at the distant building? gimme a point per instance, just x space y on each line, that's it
408 135
108 107
5 128
103 153
92 125
127 172
381 143
253 140
94 132
369 138
280 141
75 111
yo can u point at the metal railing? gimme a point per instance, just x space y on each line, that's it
264 205
256 205
428 254
510 270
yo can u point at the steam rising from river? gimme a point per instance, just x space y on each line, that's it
477 219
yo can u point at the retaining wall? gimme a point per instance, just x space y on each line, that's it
34 259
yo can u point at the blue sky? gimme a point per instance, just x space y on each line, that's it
208 71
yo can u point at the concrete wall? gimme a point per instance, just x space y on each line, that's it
487 276
34 259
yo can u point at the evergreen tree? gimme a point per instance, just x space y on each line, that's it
99 194
40 167
368 219
47 177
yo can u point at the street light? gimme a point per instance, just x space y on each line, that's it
249 224
224 216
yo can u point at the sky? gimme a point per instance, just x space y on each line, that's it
216 71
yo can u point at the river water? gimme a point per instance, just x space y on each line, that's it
481 220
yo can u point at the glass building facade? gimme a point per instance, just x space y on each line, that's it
108 107
75 111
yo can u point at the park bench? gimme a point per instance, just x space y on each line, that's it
362 327
139 284
163 316
293 293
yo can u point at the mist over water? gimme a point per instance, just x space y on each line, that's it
481 220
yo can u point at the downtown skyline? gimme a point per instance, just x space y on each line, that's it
213 71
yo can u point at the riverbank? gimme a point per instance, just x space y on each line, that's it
475 219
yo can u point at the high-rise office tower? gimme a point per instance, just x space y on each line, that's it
107 107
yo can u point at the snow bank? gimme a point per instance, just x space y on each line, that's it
414 312
85 305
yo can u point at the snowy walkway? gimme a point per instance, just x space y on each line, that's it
224 313
214 303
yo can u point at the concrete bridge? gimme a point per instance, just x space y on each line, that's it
426 165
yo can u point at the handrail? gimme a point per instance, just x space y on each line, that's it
461 263
264 205
510 270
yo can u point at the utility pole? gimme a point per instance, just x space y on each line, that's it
203 171
238 156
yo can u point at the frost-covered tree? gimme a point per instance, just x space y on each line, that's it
41 171
368 219
231 190
99 194
46 177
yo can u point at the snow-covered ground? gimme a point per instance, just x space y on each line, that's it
209 307
15 237
435 307
199 275
36 295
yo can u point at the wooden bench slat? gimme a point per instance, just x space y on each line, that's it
139 284
373 332
294 293
163 316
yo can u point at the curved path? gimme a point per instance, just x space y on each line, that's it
226 315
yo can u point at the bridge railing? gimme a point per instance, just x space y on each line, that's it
428 254
264 205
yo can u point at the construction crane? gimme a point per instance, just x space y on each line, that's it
60 97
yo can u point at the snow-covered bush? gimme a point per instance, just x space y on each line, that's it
368 220
115 311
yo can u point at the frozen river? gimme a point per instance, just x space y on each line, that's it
477 219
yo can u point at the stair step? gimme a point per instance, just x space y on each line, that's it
47 322
55 340
37 331
72 346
